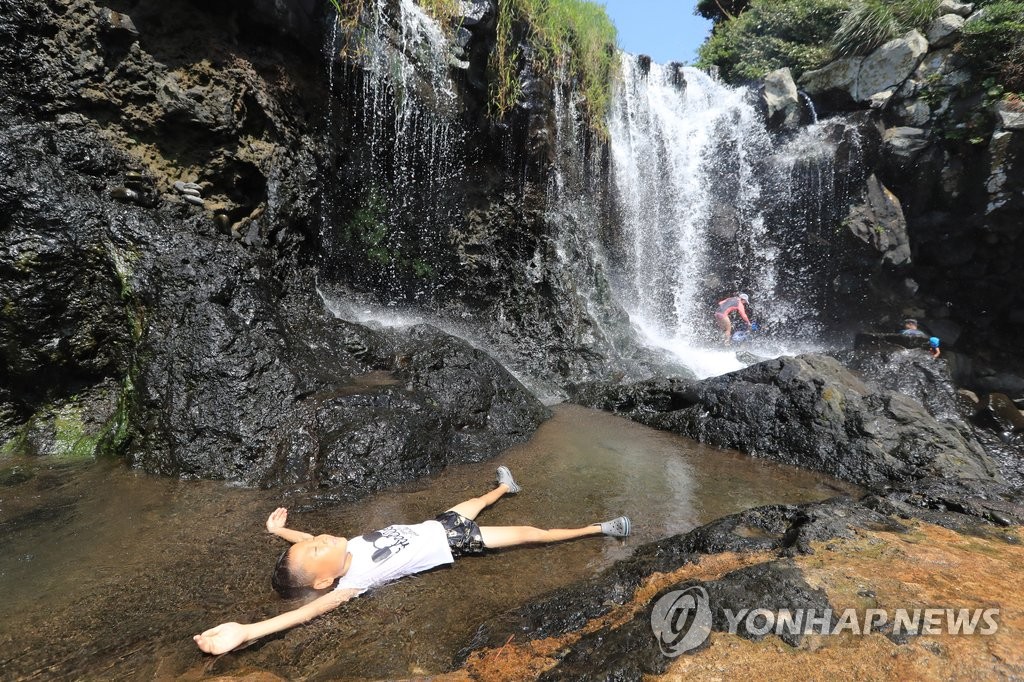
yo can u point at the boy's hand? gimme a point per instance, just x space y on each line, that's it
223 638
277 520
276 524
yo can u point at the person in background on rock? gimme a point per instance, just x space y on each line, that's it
728 306
352 566
933 347
910 328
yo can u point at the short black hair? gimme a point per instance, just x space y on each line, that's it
288 582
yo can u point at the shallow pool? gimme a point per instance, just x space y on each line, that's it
106 573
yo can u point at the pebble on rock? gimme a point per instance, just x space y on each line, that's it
188 188
124 194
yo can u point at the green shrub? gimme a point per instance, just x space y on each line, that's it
994 43
720 10
772 34
871 23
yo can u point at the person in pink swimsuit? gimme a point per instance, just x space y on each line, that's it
726 307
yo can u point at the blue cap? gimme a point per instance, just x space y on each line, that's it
933 342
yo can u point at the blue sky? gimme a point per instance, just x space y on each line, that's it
667 30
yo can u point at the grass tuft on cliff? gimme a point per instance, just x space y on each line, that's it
575 36
871 23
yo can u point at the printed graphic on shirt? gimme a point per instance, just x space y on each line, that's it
386 543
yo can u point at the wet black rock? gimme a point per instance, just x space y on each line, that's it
812 412
292 396
63 326
202 355
1003 414
642 398
629 651
911 371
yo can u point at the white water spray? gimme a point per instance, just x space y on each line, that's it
700 187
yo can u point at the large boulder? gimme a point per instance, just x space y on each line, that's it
781 99
877 220
812 412
834 83
962 9
852 81
887 67
265 387
944 30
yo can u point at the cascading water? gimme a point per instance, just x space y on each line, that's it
399 202
711 203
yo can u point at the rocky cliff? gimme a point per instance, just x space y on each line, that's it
164 174
936 226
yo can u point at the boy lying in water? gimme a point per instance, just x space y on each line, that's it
352 566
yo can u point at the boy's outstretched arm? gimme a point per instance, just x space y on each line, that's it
276 524
228 636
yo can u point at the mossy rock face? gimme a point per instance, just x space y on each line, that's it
73 430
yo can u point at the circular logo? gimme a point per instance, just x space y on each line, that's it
681 620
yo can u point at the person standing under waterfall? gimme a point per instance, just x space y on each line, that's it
910 329
726 307
343 568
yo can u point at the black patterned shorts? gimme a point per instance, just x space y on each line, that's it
464 536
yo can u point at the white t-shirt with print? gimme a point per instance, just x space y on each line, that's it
394 552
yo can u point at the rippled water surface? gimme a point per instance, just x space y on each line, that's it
106 573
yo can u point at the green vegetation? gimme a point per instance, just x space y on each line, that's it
70 438
368 229
117 432
573 35
69 434
719 10
61 429
443 11
871 23
994 43
772 34
753 37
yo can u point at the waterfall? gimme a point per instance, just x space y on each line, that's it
810 106
710 203
400 202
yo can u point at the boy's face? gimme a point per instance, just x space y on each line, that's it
324 558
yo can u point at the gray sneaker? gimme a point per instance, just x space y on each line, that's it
617 528
505 477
